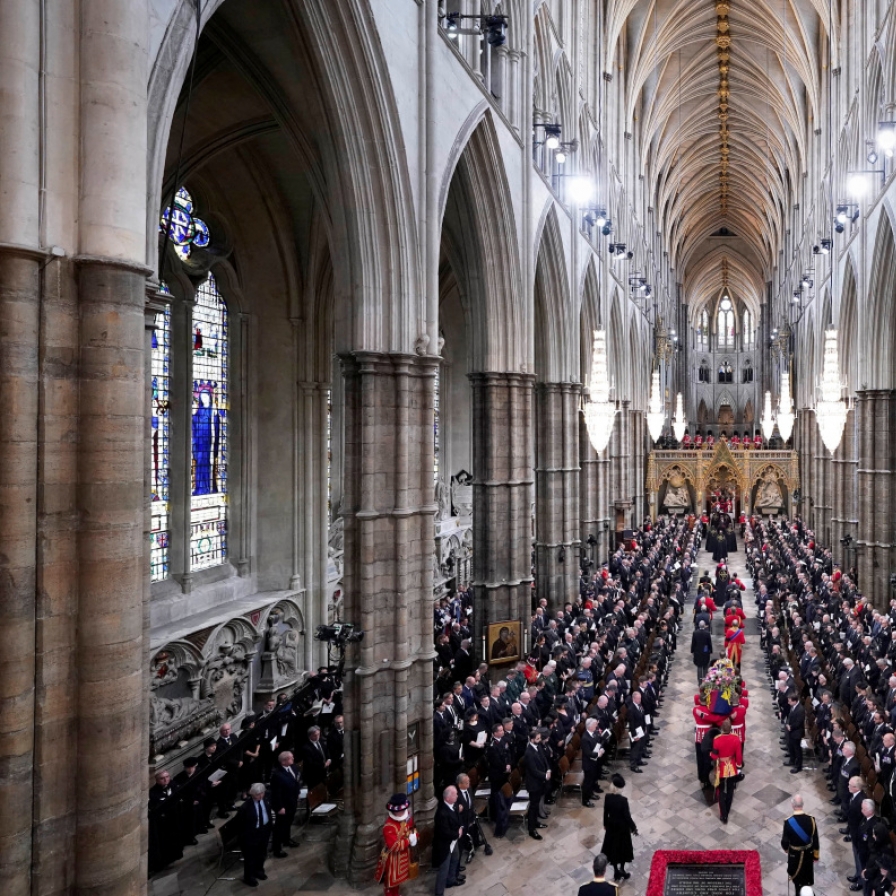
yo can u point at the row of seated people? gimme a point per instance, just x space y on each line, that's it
307 725
571 715
830 661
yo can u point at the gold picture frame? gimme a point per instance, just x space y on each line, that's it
504 642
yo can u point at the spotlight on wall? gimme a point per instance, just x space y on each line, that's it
886 137
823 248
847 213
806 282
552 136
607 229
796 297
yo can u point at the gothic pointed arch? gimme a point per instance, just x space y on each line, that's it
882 313
478 226
554 360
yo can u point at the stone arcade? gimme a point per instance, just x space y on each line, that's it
297 301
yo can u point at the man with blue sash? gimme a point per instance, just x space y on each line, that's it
800 842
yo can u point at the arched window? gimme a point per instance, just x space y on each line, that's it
703 331
748 329
208 502
725 324
204 391
160 463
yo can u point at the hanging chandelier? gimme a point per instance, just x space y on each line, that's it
767 421
655 413
599 411
830 410
679 423
786 416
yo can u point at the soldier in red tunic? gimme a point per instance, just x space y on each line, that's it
728 755
399 834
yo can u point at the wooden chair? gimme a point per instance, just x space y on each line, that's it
318 806
519 808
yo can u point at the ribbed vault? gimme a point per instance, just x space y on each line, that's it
724 95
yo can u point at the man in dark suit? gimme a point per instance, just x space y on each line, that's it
165 843
463 662
447 831
315 761
637 732
796 726
599 886
538 774
701 648
591 745
255 818
230 761
285 787
499 756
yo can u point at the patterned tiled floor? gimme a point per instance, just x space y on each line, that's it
666 802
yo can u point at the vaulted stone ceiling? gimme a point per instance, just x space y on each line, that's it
725 95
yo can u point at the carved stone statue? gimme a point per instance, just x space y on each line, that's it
443 499
677 497
769 495
462 495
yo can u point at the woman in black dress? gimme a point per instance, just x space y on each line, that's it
618 830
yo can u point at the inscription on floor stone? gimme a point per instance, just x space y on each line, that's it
705 880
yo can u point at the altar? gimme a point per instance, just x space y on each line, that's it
697 480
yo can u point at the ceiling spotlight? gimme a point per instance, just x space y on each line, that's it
552 136
796 297
886 137
806 282
872 157
452 26
581 190
560 156
842 214
823 248
607 229
857 184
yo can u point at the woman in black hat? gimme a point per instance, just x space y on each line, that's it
618 830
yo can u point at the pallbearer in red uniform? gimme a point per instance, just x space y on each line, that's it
735 441
394 866
709 440
757 439
698 439
686 441
729 758
734 642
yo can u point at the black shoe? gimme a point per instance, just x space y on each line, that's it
461 879
279 854
598 789
461 869
550 801
588 804
637 771
856 887
835 800
541 826
626 875
488 849
845 831
227 815
262 876
847 839
292 843
457 883
724 821
852 878
535 835
795 771
250 882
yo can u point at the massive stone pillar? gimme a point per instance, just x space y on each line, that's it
594 502
876 412
620 452
112 740
638 471
557 491
21 259
822 482
502 498
844 464
803 444
388 508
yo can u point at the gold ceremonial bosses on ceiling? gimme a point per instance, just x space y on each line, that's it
723 42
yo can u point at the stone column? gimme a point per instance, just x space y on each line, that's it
112 742
557 491
803 444
844 464
20 260
502 493
594 513
388 510
638 467
875 409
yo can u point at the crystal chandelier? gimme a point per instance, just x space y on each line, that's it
767 421
655 413
786 416
830 411
599 411
679 424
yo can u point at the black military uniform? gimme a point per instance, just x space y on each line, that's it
800 841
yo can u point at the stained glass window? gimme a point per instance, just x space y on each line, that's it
182 227
703 331
161 439
435 427
725 329
209 429
748 329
